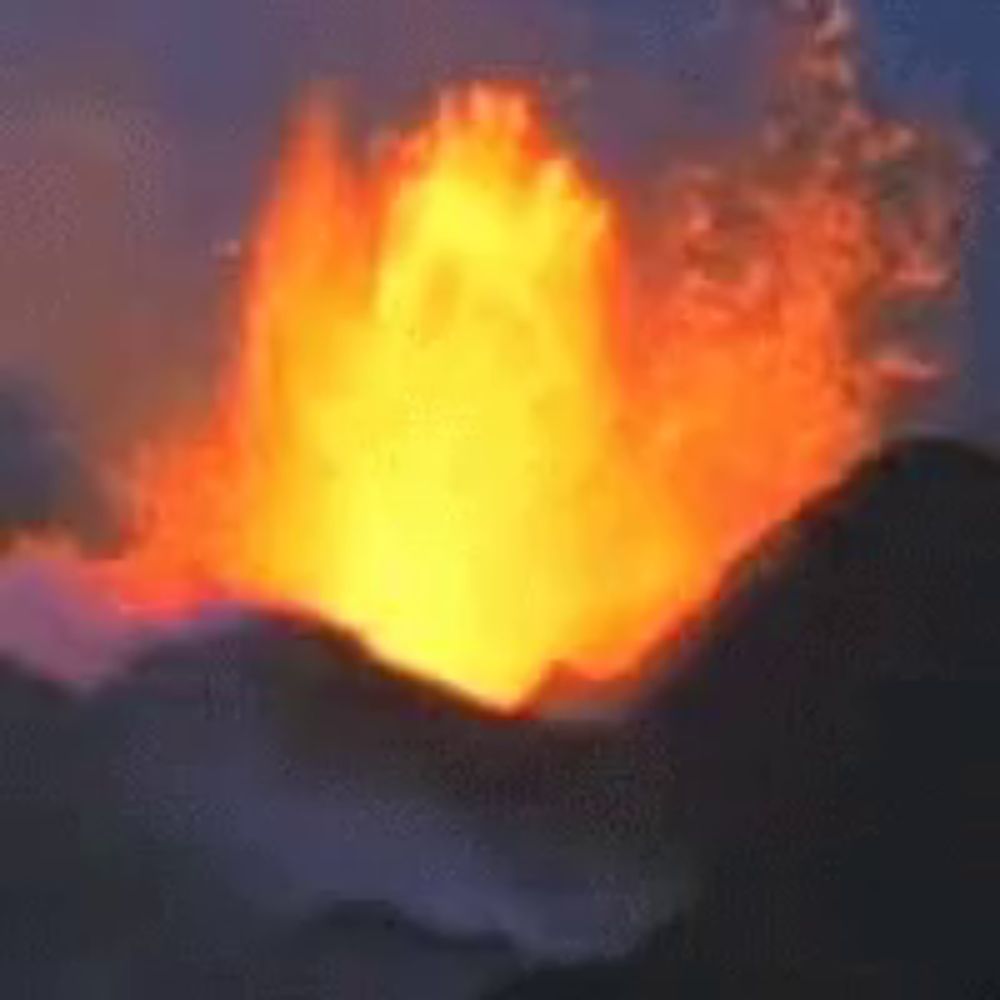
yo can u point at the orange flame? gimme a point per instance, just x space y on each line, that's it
474 421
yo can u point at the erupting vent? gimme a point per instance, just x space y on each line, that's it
475 419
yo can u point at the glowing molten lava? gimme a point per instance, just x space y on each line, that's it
476 421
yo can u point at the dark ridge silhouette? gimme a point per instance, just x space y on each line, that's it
259 810
245 796
835 727
37 833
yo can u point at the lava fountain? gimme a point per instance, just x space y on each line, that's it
478 418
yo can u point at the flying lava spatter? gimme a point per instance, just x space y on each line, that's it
474 418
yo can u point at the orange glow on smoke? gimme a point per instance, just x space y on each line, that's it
475 419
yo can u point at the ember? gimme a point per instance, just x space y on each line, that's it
478 421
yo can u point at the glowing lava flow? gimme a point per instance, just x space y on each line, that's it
472 421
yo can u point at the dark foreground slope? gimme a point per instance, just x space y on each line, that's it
34 719
836 731
261 811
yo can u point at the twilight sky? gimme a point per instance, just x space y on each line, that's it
134 135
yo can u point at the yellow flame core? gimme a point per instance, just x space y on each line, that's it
470 422
466 493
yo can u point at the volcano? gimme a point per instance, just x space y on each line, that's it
809 803
493 432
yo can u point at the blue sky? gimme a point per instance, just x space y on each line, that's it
134 135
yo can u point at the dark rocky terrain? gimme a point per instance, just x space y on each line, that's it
253 811
836 735
256 809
